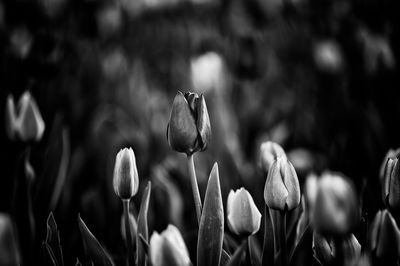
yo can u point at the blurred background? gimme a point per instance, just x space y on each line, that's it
319 77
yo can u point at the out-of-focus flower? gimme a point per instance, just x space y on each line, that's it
52 7
325 249
336 209
384 237
269 152
189 128
243 215
24 122
132 224
168 249
391 184
302 160
9 252
328 57
21 42
109 20
282 189
392 153
310 191
126 179
207 72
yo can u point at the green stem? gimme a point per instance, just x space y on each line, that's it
283 244
269 238
195 187
128 235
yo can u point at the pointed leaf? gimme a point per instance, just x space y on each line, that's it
78 263
255 251
211 229
238 256
93 249
303 253
269 239
225 258
142 228
53 240
48 255
145 244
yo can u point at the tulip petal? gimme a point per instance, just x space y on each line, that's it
292 185
387 245
275 192
203 123
211 228
11 117
390 163
394 187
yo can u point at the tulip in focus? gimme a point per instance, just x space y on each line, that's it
9 252
391 184
168 249
189 127
269 151
24 122
126 179
282 189
243 215
384 237
336 209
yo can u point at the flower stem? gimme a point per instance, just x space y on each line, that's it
269 239
195 187
282 224
128 235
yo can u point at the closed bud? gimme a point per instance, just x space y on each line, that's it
9 252
336 209
384 237
391 184
24 122
282 189
243 215
126 179
189 128
269 151
168 249
390 154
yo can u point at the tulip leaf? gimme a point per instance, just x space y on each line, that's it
254 251
48 255
238 255
268 254
303 253
142 227
78 263
211 228
145 244
53 240
225 258
93 249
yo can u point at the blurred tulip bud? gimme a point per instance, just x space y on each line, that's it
302 160
132 224
390 154
391 184
243 215
24 122
328 57
189 128
21 42
269 151
126 179
282 189
325 250
207 72
336 208
9 252
168 249
384 237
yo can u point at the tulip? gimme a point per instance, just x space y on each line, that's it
328 56
126 179
336 209
390 154
243 215
9 252
168 249
384 237
207 71
391 184
24 122
325 249
269 152
189 127
282 189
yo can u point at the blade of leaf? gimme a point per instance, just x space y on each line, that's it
145 244
53 240
225 258
268 256
255 251
48 255
142 228
303 253
93 249
238 255
211 228
78 263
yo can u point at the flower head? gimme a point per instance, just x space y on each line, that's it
189 127
126 179
168 248
269 151
391 183
243 215
282 189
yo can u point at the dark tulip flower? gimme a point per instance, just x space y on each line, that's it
391 184
189 127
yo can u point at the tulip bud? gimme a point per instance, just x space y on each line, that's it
325 249
126 179
9 252
384 237
25 122
168 249
132 224
243 215
282 189
391 184
336 209
390 154
189 127
269 151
